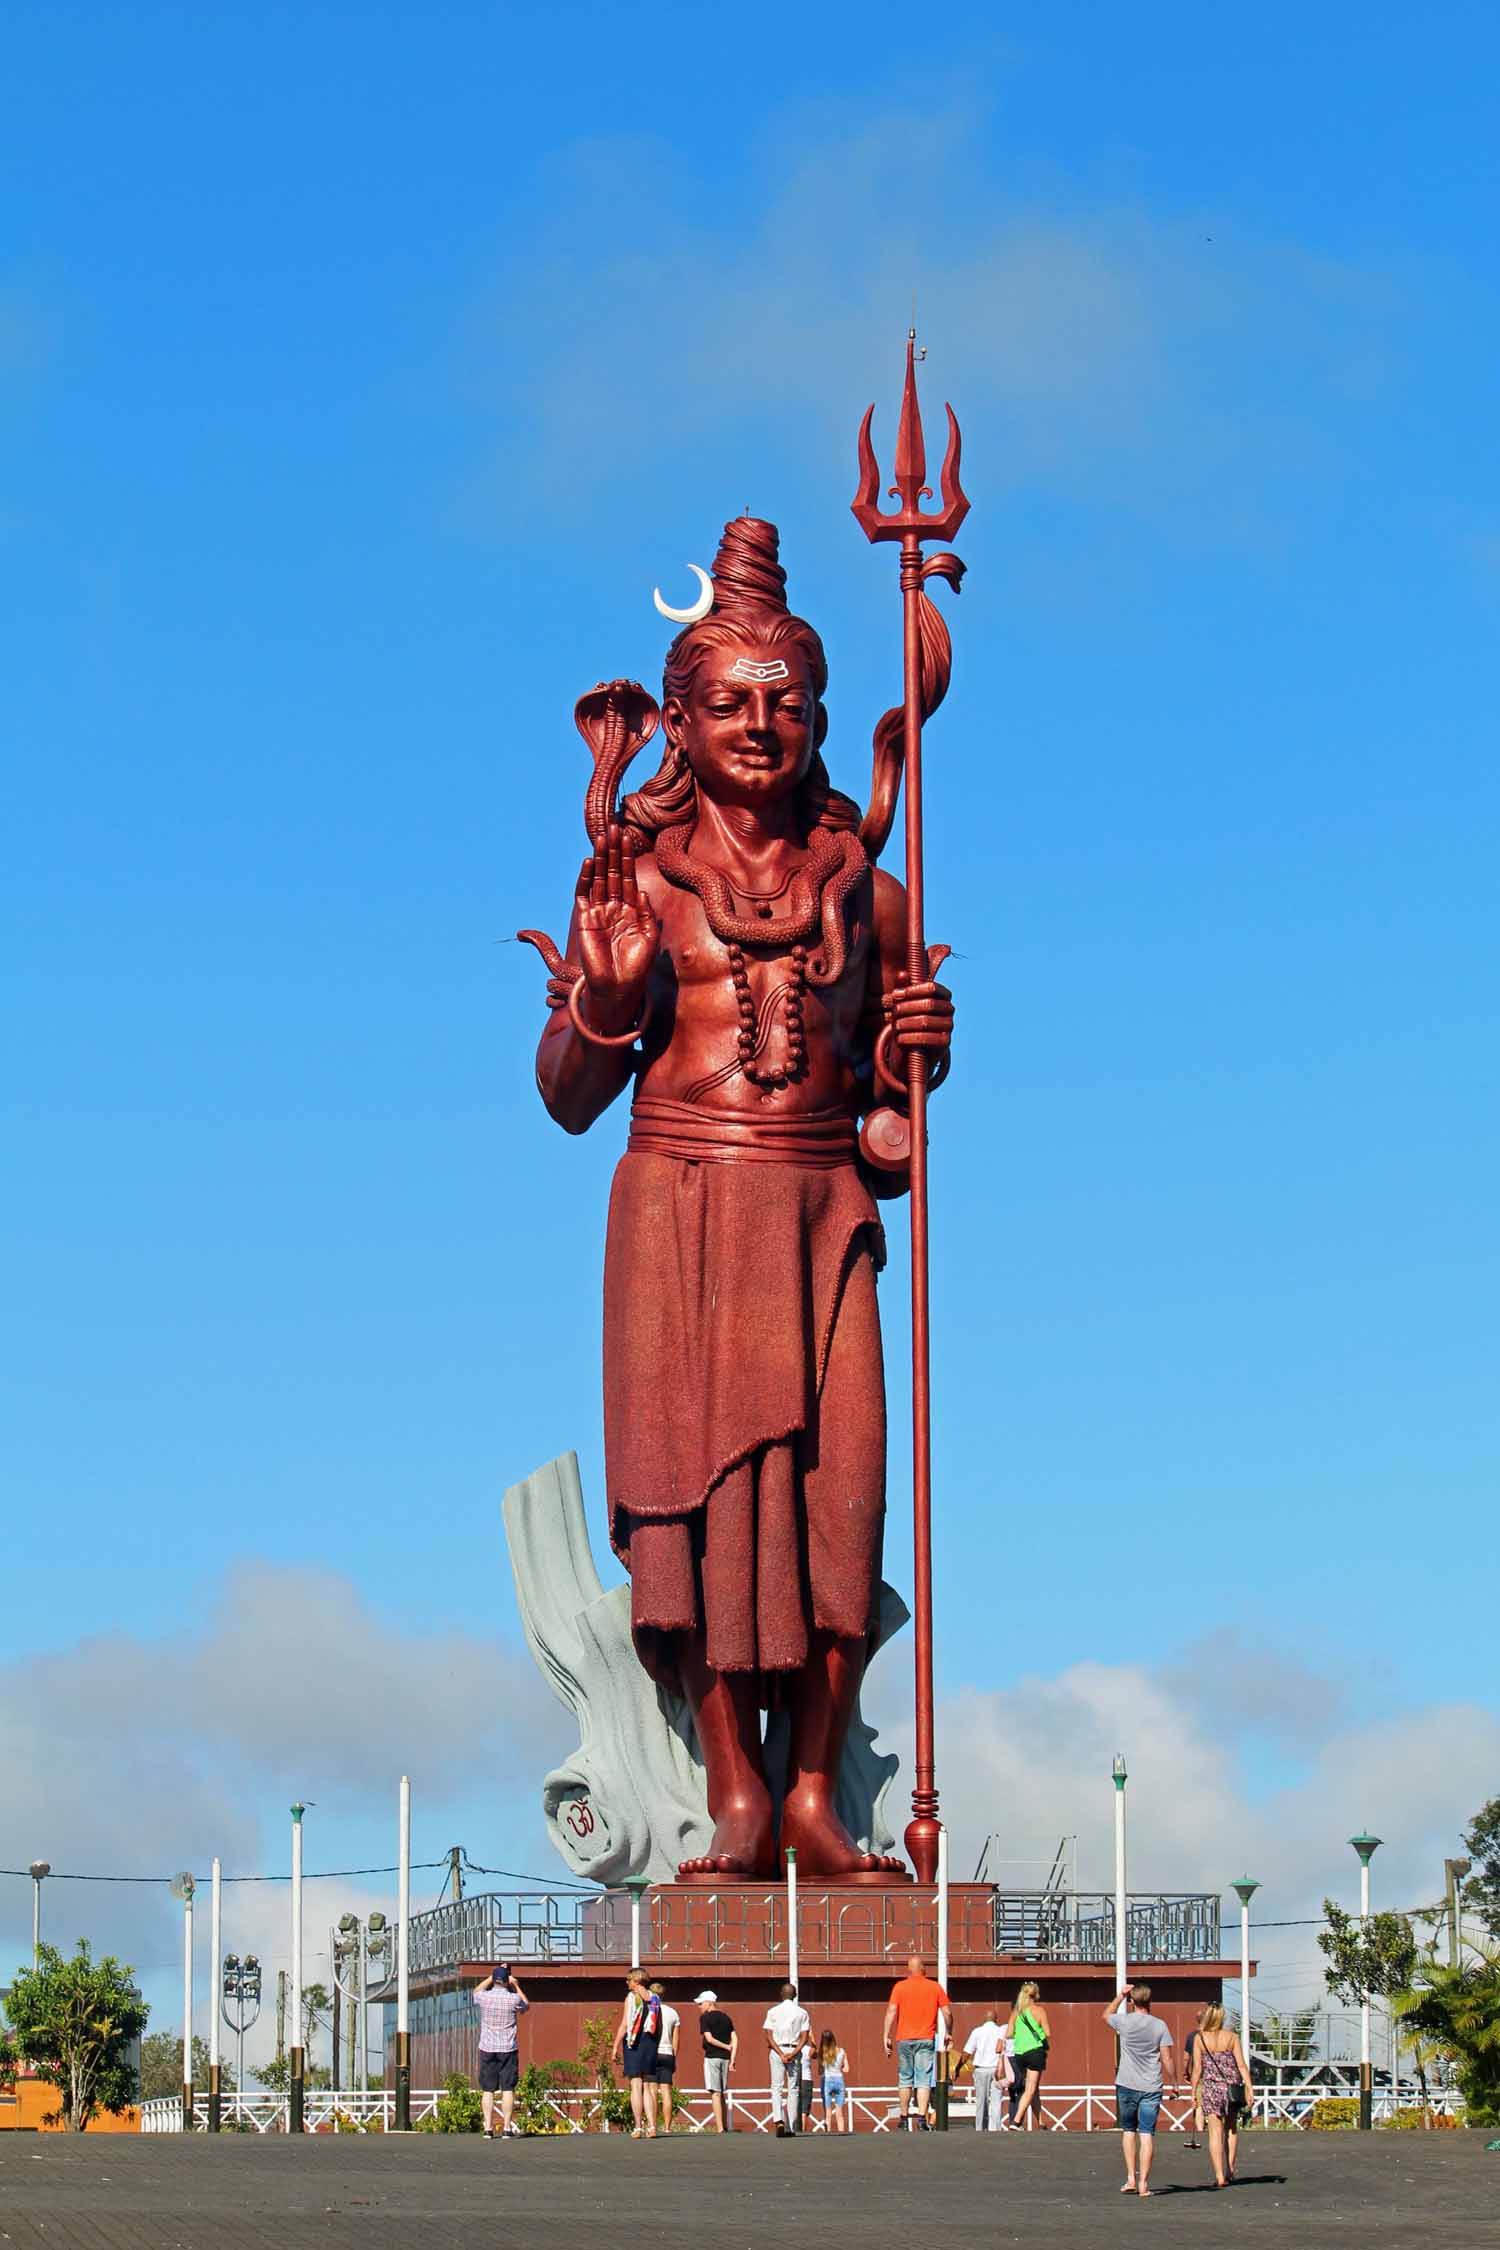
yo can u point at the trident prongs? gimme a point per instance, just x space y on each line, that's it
910 472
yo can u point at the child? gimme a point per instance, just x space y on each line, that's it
833 2070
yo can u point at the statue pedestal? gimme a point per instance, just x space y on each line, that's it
841 1928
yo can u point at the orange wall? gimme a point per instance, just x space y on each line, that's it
35 2107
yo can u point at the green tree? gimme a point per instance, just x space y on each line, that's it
1482 1844
1379 1957
161 2066
277 2074
316 2002
1458 2011
74 2023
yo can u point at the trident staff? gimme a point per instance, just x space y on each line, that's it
927 659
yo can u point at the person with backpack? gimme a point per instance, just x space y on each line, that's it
638 2040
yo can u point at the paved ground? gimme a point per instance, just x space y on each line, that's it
748 2192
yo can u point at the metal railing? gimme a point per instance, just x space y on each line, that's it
874 2109
989 1925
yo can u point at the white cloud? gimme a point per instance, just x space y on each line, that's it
1032 1762
1156 360
138 1757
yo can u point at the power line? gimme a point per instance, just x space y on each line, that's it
323 1875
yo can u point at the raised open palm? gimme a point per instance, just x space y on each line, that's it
618 933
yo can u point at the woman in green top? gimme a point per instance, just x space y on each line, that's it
1031 2035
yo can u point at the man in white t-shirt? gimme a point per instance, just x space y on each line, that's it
984 2051
787 2029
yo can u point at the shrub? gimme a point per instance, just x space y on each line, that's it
534 2112
1335 2113
596 2068
460 2108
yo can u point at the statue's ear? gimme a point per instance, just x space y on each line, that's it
820 728
673 719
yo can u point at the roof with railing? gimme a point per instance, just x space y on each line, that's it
986 1925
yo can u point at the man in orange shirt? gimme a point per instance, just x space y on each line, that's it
919 2016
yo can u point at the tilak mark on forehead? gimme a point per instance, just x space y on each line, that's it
744 668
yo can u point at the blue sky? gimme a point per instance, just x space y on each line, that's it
360 372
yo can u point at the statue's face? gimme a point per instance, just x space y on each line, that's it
749 723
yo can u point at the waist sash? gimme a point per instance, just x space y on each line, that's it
820 1142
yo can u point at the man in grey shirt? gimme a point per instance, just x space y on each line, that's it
1145 2057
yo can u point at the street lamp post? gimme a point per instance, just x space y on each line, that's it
215 2087
1366 1846
1245 1890
242 1986
1121 1962
183 1887
636 1884
297 2057
40 1870
354 1949
377 1954
403 1962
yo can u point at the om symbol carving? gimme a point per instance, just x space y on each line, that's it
580 1817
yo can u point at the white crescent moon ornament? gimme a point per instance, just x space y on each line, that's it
700 607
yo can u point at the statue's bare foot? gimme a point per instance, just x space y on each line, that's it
744 1844
824 1846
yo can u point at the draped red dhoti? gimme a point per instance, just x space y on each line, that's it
744 1397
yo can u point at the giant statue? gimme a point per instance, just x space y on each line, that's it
738 964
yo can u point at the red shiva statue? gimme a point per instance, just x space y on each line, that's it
736 959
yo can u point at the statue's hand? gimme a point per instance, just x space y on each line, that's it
921 1015
618 934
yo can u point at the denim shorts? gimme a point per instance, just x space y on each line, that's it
833 2089
914 2062
1137 2110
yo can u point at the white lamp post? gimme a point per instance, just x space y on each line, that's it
1366 1846
635 1884
40 1870
403 1963
1121 1964
183 1887
215 1923
1245 1890
296 2082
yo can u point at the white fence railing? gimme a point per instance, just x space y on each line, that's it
873 2109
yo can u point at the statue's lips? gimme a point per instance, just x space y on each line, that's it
760 761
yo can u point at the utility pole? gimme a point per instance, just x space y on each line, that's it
338 1992
1455 1870
456 1870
